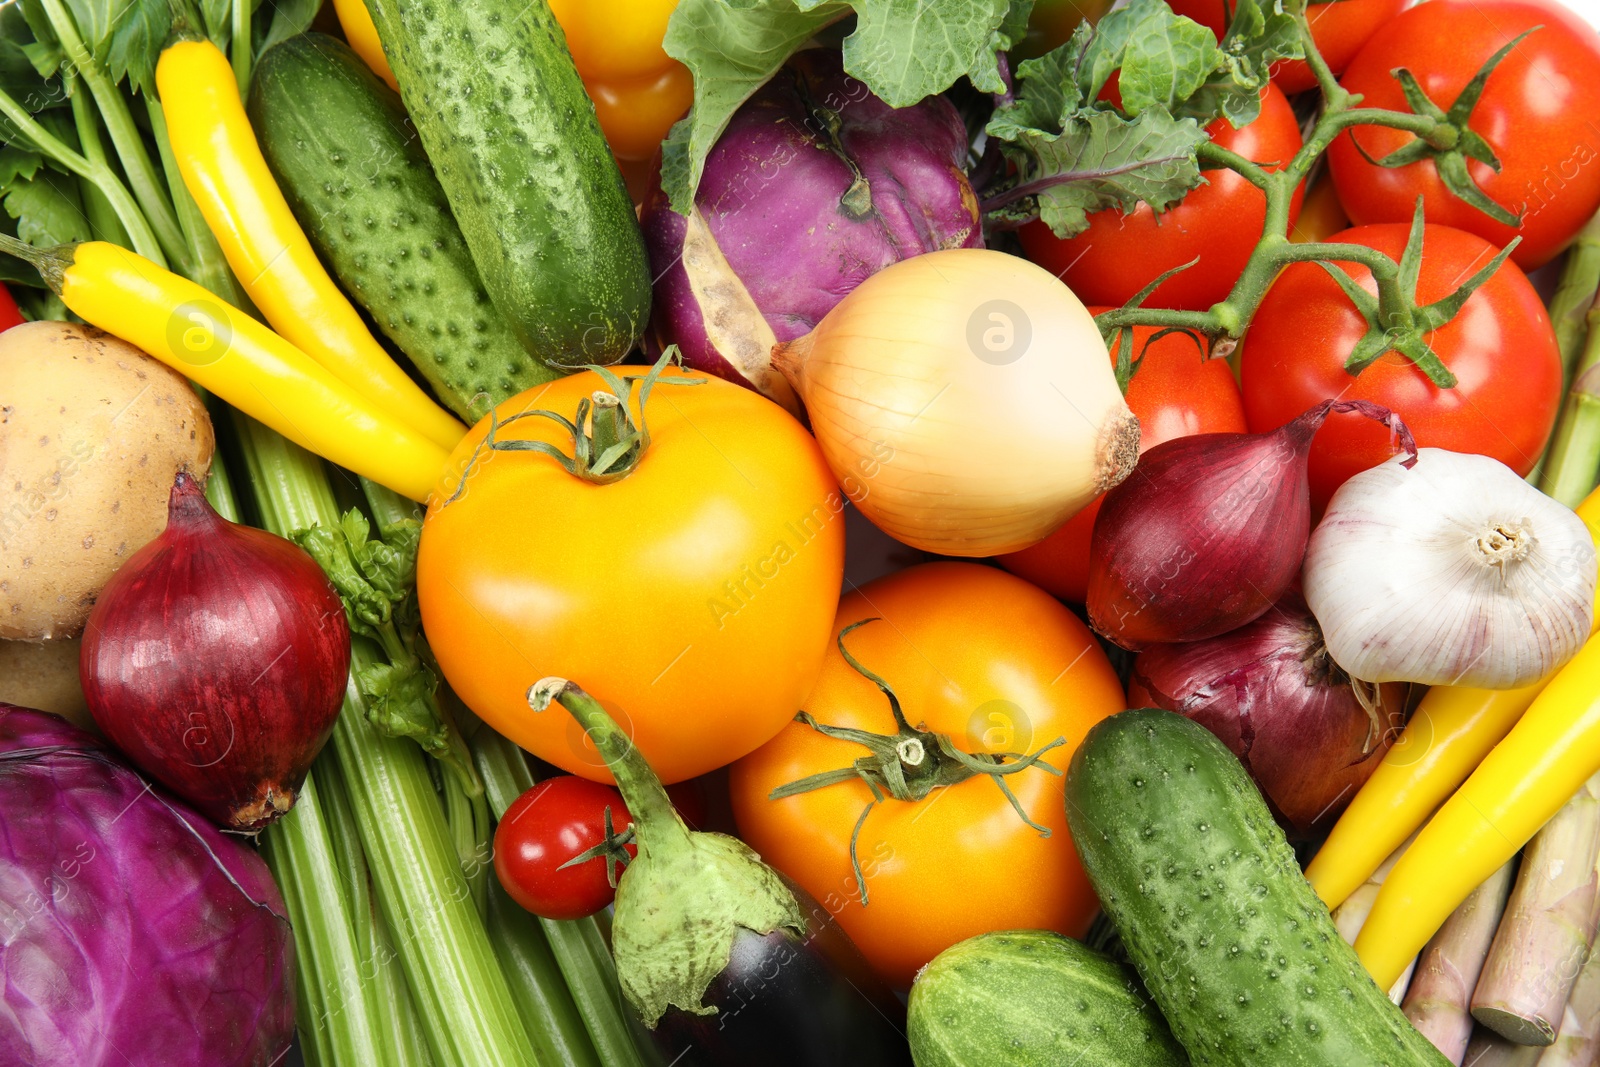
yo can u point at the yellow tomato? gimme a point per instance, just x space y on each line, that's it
693 598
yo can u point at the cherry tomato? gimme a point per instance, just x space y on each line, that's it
9 314
1176 392
1536 113
1219 221
636 114
542 830
693 598
1500 346
996 666
1339 30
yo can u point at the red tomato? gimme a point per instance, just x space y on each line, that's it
1500 346
1536 112
544 828
1220 221
1339 29
9 315
1175 393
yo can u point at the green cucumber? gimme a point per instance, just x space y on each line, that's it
348 162
514 140
1029 998
1229 937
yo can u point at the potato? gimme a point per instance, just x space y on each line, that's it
44 675
92 433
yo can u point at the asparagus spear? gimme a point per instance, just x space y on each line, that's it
1489 1049
1578 1044
1440 995
1549 923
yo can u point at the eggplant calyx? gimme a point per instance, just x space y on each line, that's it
684 898
909 764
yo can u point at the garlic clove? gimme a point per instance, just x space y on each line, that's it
1456 572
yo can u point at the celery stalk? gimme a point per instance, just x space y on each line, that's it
466 1007
578 946
337 1020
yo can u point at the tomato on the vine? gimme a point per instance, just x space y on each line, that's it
693 597
1339 30
548 826
1219 221
994 665
1500 346
1536 113
1175 392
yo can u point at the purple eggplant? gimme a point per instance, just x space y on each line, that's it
815 185
791 1000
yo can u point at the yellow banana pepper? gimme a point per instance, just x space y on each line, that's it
222 166
362 33
226 351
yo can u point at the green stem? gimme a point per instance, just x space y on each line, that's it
1211 154
1334 95
466 1007
140 234
578 945
1574 456
124 134
537 984
242 10
399 1028
337 1020
104 223
471 849
1569 306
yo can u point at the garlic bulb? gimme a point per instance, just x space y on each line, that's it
965 401
1455 572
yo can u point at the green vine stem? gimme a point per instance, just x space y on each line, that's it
1394 314
104 223
125 136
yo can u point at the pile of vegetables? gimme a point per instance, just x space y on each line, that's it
961 534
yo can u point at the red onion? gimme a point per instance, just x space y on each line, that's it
1209 531
216 659
1308 734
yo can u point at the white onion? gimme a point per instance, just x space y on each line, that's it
1455 572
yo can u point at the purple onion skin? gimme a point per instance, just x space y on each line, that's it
1272 694
131 930
795 229
216 659
1209 530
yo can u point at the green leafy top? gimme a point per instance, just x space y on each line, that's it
904 50
1075 153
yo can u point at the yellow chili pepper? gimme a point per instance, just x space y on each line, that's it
1453 729
222 165
226 351
1514 791
359 30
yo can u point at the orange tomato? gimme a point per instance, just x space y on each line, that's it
693 597
997 666
638 90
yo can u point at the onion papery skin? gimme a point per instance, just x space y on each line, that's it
1403 578
134 931
1210 532
1272 694
965 402
815 185
216 659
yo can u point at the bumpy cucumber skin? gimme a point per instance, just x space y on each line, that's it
1230 939
1030 998
352 170
514 140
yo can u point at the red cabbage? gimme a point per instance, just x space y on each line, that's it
131 929
815 185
